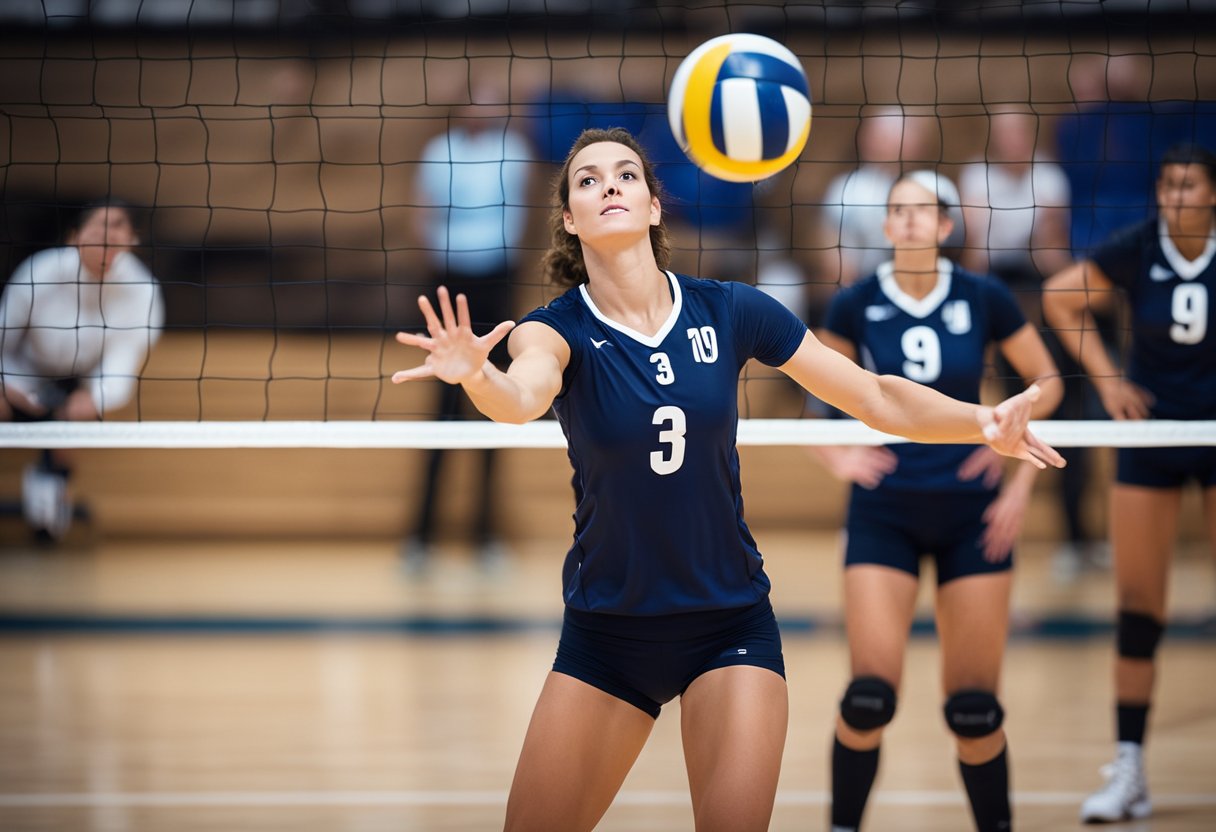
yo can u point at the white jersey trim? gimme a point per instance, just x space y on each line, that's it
677 303
927 305
1186 269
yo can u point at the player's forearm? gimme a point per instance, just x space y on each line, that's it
503 398
921 413
1078 333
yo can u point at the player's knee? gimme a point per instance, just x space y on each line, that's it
1139 635
868 703
972 714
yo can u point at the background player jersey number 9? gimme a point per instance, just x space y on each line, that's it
1189 308
923 350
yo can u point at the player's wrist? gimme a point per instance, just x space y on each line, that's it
480 379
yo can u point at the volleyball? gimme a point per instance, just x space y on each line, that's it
740 108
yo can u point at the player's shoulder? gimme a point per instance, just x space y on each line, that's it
966 283
568 301
707 286
967 278
128 268
711 293
1143 233
859 291
567 314
44 265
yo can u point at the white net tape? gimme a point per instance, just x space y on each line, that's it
542 434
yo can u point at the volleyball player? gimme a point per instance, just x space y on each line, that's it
927 319
1164 265
76 324
665 589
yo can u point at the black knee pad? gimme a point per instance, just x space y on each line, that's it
973 713
1139 635
868 703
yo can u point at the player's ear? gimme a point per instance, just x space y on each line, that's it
656 211
945 227
568 221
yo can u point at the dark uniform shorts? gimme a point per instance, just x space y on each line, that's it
1166 467
896 528
649 660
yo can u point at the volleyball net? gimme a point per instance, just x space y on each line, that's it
299 172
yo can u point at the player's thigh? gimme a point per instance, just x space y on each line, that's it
1143 528
973 625
1209 516
579 747
733 721
879 604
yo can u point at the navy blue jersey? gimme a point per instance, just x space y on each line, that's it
650 425
1173 353
938 341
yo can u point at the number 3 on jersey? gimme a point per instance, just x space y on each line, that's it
664 463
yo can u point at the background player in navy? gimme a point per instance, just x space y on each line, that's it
1165 267
923 317
664 587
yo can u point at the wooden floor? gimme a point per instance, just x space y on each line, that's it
314 686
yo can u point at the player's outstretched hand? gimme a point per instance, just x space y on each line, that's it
1005 429
454 353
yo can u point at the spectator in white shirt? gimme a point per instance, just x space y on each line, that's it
76 325
855 203
473 183
1016 204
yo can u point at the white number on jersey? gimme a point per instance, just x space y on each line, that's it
923 350
1190 310
666 374
661 463
704 344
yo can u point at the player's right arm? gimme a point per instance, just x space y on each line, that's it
16 311
1069 299
457 356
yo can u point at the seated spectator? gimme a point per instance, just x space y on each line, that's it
76 325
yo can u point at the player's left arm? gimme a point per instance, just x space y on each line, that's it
127 341
899 406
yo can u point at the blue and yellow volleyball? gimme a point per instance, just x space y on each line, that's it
740 107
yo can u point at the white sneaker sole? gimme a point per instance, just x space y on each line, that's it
1139 810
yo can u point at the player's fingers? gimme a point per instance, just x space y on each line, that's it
428 314
445 306
491 338
463 319
413 339
992 476
1044 452
412 374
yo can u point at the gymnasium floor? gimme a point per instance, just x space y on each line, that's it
312 685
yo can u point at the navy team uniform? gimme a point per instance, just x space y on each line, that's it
663 581
1173 353
923 507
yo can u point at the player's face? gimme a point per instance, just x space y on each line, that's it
104 234
609 197
915 219
1185 197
